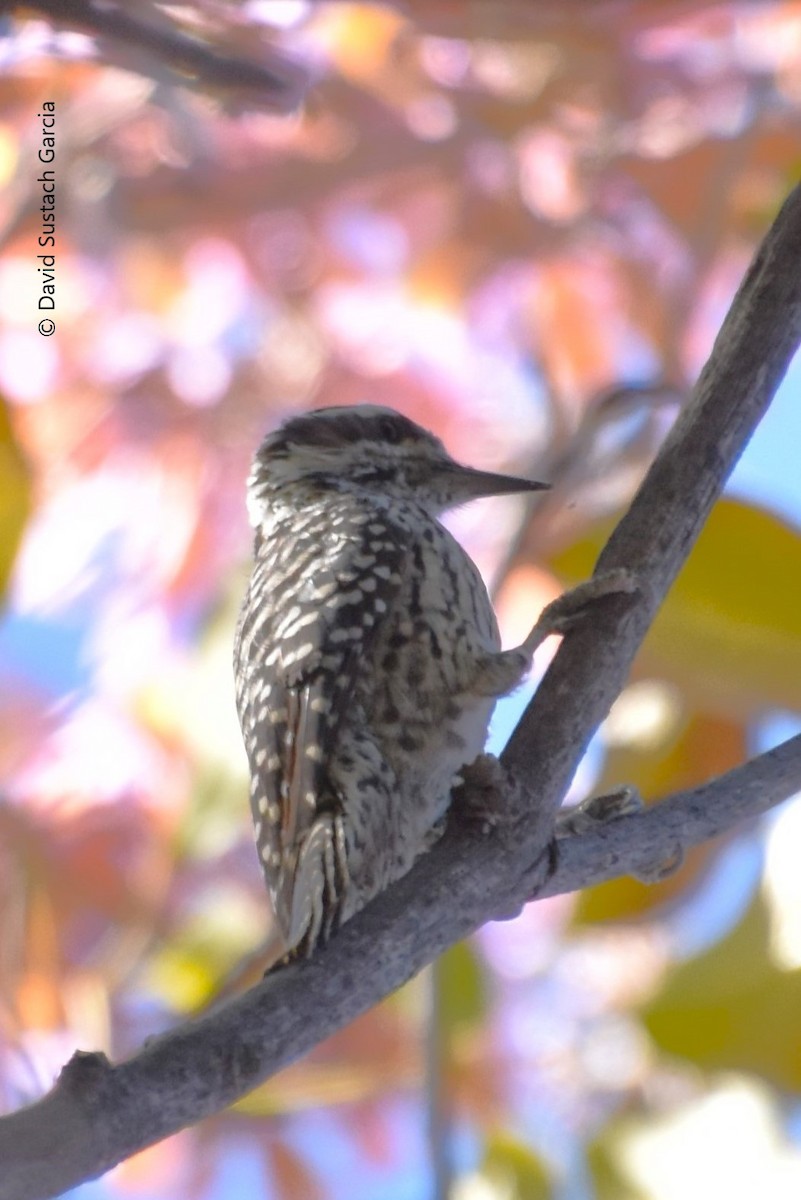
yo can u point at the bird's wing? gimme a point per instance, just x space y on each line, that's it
306 631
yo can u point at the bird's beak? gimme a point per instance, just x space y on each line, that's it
472 483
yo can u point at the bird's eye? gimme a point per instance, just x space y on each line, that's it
389 430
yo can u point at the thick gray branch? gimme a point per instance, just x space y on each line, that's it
98 1114
749 358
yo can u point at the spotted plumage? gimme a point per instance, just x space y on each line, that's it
367 657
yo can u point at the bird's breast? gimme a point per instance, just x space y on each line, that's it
421 709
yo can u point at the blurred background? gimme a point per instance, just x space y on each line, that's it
521 224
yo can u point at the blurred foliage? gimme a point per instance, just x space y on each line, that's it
520 223
721 1016
609 1181
724 1138
514 1171
724 648
15 496
462 989
729 634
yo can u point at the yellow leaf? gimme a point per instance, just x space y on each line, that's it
608 1177
515 1170
15 496
462 989
729 633
733 1008
361 38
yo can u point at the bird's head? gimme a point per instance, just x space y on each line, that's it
367 450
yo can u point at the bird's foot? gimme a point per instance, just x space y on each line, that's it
598 810
569 609
479 800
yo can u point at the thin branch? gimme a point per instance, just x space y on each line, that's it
97 1114
279 85
635 845
439 1126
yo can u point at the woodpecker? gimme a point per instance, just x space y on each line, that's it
367 657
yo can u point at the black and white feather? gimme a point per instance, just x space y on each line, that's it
367 657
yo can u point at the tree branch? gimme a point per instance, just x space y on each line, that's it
634 845
278 85
97 1114
749 358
